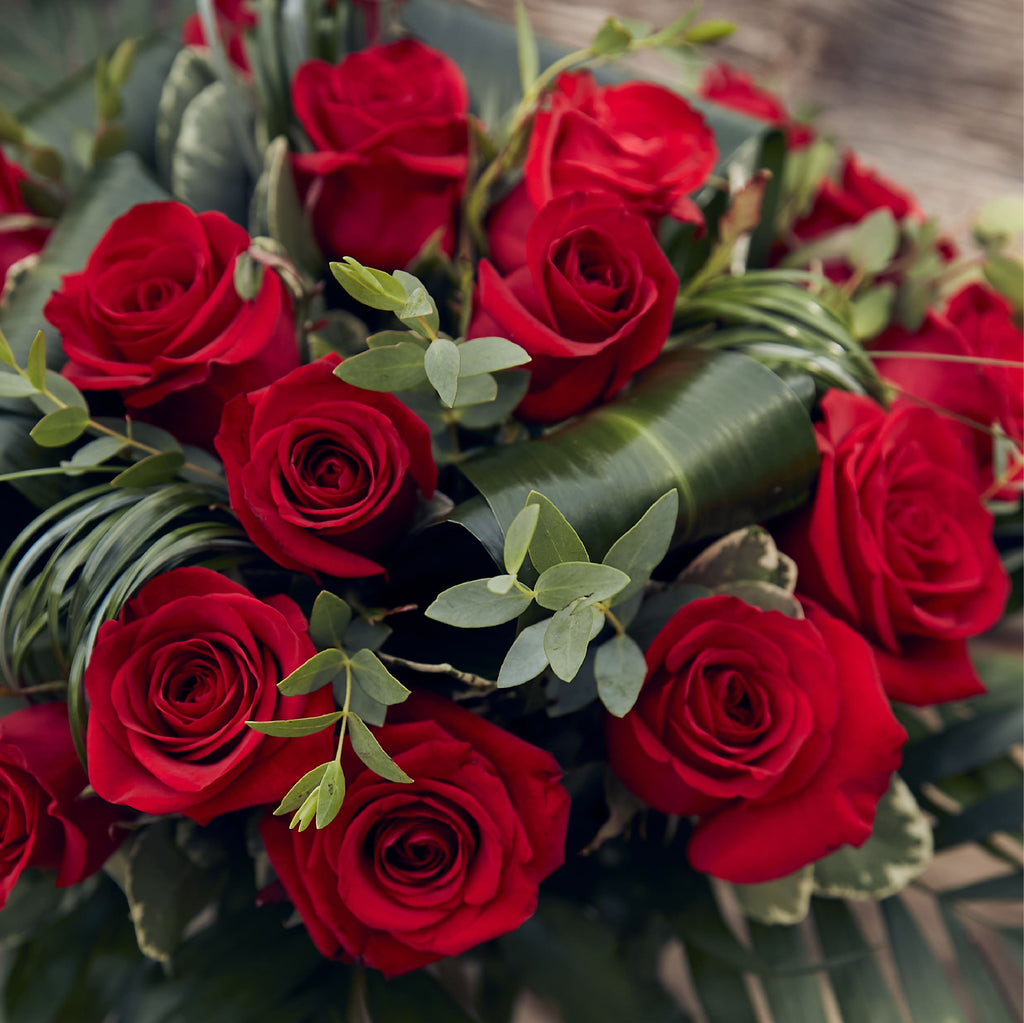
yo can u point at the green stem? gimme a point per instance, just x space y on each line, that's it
620 629
344 711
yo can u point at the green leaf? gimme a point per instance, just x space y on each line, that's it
478 390
501 583
441 362
36 368
873 310
318 671
286 220
898 850
247 277
296 727
730 436
512 386
745 555
562 584
526 48
306 813
392 368
874 242
554 540
620 670
6 355
375 680
786 900
165 890
158 468
982 987
526 658
331 794
370 752
300 791
1006 275
419 306
612 39
923 980
567 637
329 620
63 390
190 73
108 191
472 605
13 385
365 634
640 549
390 338
1000 220
60 427
710 31
519 536
97 451
374 288
489 355
766 596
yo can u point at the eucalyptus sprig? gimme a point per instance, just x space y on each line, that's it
363 687
581 594
66 417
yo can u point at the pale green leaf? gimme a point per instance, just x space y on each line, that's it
554 540
299 792
13 385
783 901
612 39
296 727
97 451
331 794
6 354
620 670
392 368
874 242
478 390
501 583
567 637
472 605
526 658
36 367
371 753
1006 275
158 468
306 813
489 355
329 620
441 362
512 386
60 427
63 390
371 287
898 850
519 536
375 680
873 310
640 550
562 584
315 673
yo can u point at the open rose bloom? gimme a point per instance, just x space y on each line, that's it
490 534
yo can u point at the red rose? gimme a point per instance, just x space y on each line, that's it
408 874
592 305
976 323
638 142
774 730
897 544
859 191
171 684
323 475
16 242
155 315
728 87
390 127
233 18
43 822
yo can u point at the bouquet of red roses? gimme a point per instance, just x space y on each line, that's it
492 533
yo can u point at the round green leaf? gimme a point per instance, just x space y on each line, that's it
640 550
518 537
316 672
490 354
620 670
60 427
554 540
562 584
329 620
391 368
526 658
567 637
441 361
375 680
473 606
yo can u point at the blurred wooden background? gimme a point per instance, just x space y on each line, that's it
928 91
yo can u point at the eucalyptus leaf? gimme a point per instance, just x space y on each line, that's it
786 900
640 549
390 338
519 536
12 385
472 605
526 658
329 620
63 390
370 752
318 671
391 368
501 583
36 362
363 634
478 390
299 792
512 387
620 670
375 680
331 794
97 451
60 427
374 288
441 362
489 355
159 468
874 242
562 584
567 637
296 727
554 540
287 221
1006 275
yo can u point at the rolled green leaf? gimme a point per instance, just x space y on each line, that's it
733 439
